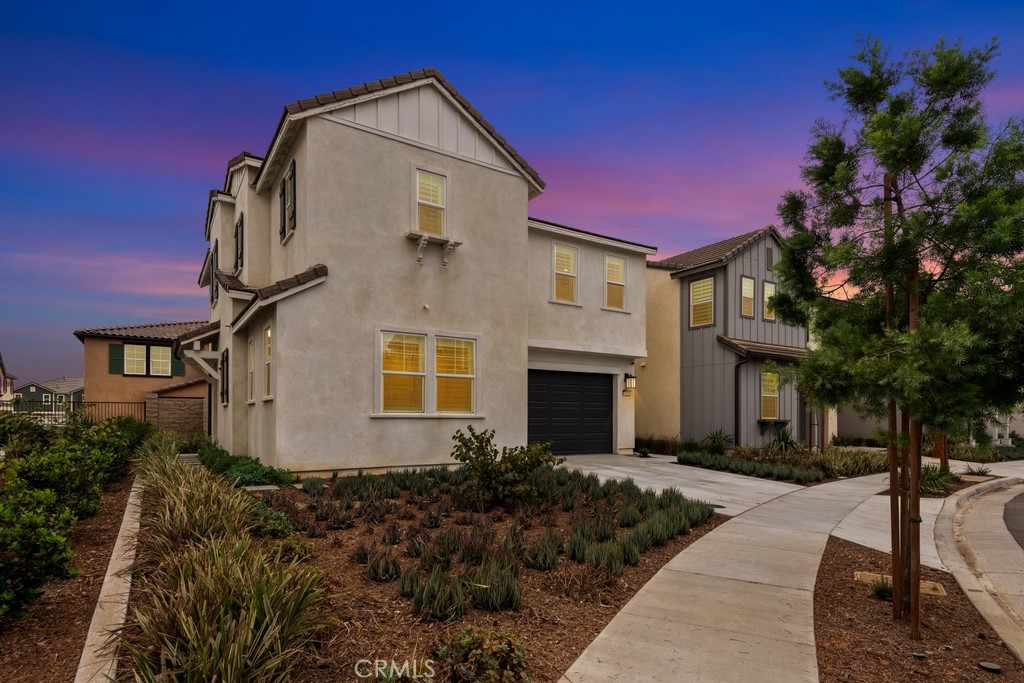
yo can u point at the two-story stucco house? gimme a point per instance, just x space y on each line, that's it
710 329
376 283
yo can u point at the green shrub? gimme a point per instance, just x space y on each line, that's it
222 610
19 434
440 597
314 486
242 470
71 470
542 554
578 545
607 556
475 655
34 528
977 470
270 523
630 551
739 463
882 588
629 516
663 445
494 476
494 585
382 565
409 583
717 441
415 546
935 481
473 548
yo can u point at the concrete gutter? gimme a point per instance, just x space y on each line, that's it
99 656
956 553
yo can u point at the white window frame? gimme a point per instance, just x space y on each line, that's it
382 373
764 301
250 371
47 398
429 374
268 362
170 361
710 323
575 275
608 282
443 206
144 359
471 377
62 398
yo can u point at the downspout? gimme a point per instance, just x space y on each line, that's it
736 402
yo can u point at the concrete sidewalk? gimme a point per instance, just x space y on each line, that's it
737 605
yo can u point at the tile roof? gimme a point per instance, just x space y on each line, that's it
719 252
231 283
64 385
761 350
148 331
199 331
392 82
311 273
179 385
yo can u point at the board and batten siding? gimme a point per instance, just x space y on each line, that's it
753 263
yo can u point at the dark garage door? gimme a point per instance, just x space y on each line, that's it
571 409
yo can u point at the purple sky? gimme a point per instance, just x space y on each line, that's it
670 125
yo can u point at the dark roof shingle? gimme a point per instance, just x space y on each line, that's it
147 331
754 349
719 252
311 273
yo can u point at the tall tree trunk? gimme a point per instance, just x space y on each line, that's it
890 446
905 509
915 479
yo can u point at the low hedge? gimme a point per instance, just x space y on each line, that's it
751 468
241 470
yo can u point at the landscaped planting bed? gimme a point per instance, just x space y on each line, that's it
797 465
412 558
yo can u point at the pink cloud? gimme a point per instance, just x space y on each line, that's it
140 274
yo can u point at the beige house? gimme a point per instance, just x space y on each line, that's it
376 283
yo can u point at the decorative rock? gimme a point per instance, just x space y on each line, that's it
990 667
919 655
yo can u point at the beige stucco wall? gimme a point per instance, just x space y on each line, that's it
657 395
353 218
101 385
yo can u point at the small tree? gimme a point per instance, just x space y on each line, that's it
904 259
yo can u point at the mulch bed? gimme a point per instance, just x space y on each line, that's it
47 644
858 641
561 612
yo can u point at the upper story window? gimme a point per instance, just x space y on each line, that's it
287 197
144 360
702 302
747 297
769 259
239 241
455 369
403 372
430 202
565 274
769 310
769 396
615 282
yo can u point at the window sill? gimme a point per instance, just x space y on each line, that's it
565 303
615 310
429 416
250 402
267 398
425 238
288 237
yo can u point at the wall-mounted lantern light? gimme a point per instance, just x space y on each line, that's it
630 384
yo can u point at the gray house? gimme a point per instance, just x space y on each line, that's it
52 395
710 330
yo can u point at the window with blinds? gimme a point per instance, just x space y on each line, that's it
615 282
565 274
769 396
135 359
455 361
160 360
430 203
769 310
747 297
403 372
702 302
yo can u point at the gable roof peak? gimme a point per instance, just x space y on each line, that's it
722 251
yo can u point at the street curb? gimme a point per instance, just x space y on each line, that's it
98 663
954 551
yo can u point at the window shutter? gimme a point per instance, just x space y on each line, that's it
280 231
115 354
177 367
224 379
295 195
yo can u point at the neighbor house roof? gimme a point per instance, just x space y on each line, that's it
712 254
147 332
64 385
179 385
750 349
295 110
558 228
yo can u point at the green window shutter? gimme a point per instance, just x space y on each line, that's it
116 355
177 367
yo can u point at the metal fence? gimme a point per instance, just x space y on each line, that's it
57 412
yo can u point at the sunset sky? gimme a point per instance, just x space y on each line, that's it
672 124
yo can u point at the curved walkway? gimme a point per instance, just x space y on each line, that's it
738 604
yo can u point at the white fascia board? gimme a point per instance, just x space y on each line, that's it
205 273
263 303
586 237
